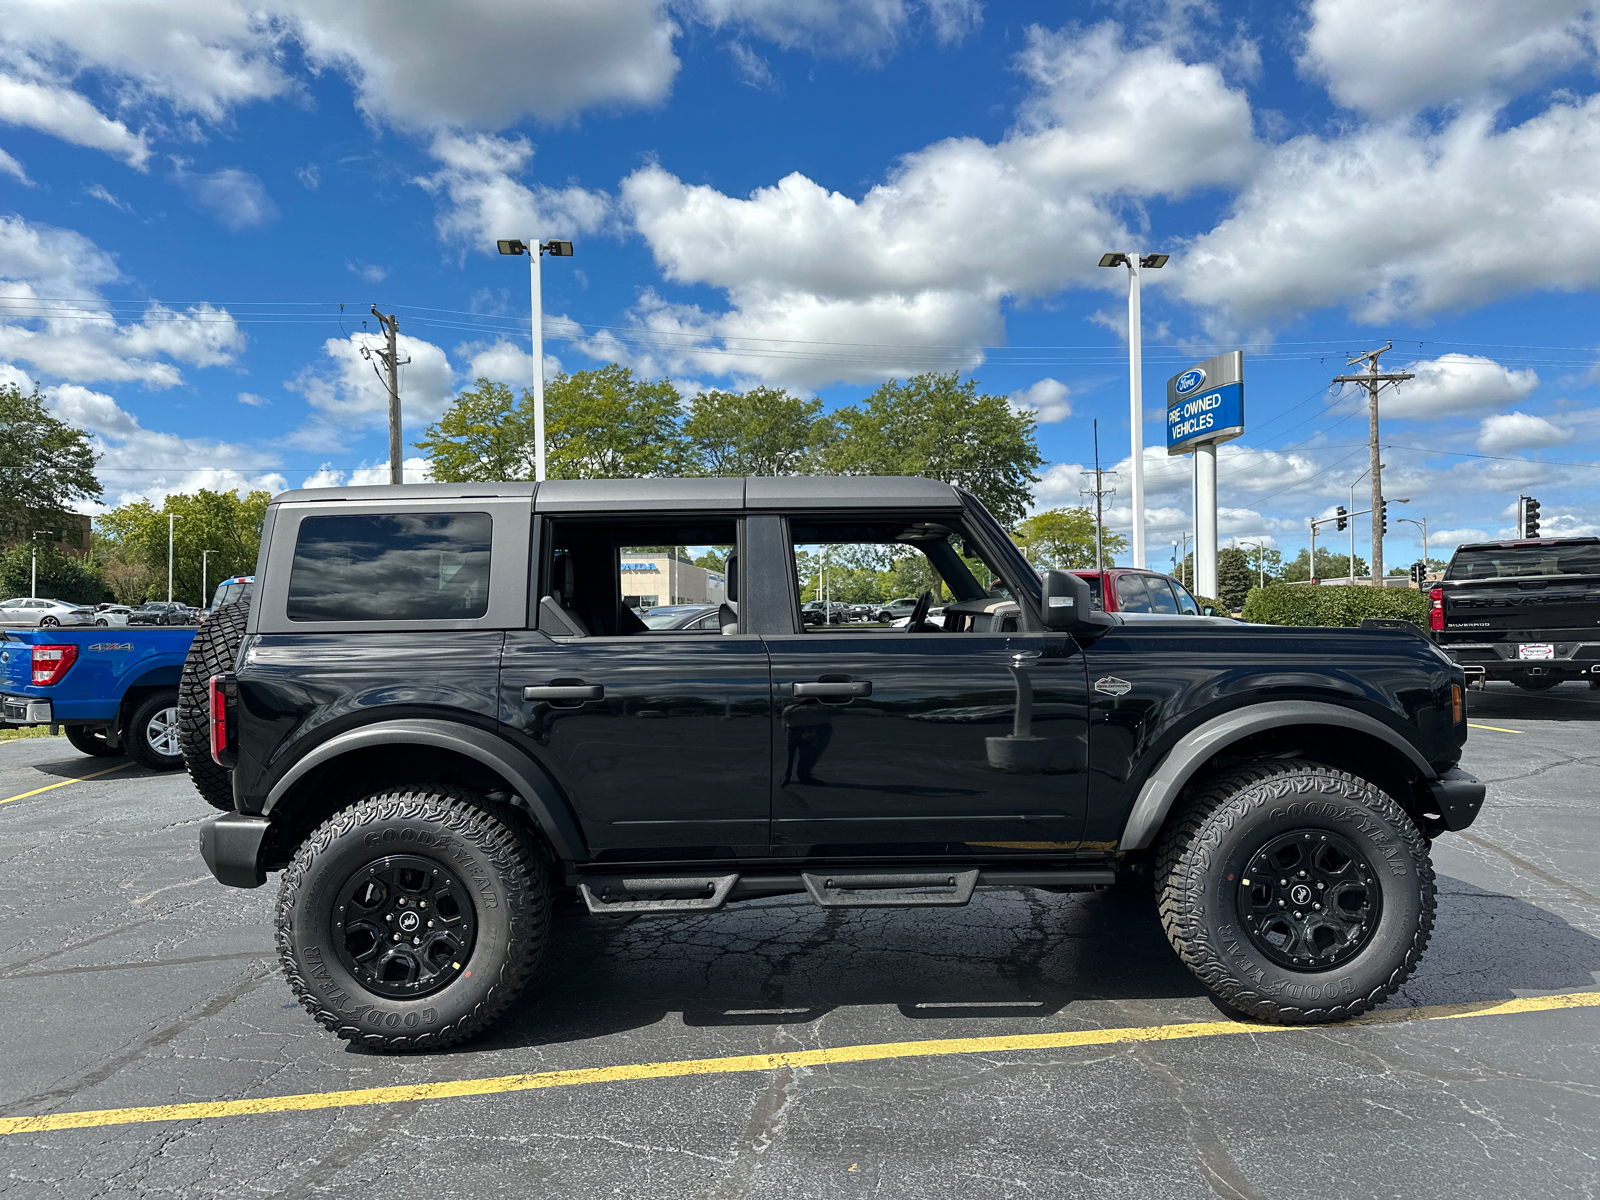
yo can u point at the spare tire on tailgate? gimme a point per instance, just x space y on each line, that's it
215 646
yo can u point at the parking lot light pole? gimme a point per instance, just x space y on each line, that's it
33 582
171 517
204 556
1134 262
535 249
1422 525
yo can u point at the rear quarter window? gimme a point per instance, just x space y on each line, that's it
391 567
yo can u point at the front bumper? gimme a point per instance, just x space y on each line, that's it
231 846
1458 795
25 710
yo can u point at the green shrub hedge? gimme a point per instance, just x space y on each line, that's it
1341 604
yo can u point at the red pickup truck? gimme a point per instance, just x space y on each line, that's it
1131 590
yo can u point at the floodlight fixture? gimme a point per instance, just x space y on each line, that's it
1113 259
1154 261
511 246
557 249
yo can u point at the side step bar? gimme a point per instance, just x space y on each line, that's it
667 895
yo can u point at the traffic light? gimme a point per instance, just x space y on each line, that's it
1341 514
1383 515
1419 572
1530 517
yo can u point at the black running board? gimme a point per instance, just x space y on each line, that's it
667 895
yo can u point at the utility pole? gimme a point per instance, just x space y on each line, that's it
171 517
1374 381
390 358
205 559
1099 492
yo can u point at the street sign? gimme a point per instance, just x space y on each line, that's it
1206 403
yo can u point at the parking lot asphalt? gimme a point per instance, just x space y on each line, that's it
1030 1044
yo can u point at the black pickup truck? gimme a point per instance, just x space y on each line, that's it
439 715
1524 611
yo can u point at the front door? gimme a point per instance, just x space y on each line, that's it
967 737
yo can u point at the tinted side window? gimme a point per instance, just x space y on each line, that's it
1186 602
1161 600
1131 596
391 567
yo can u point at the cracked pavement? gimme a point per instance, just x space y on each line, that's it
131 978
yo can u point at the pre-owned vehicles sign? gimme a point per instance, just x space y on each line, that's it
1206 403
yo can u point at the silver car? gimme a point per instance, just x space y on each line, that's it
32 610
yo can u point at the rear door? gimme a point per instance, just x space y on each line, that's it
660 739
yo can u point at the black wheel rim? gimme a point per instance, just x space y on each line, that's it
404 926
1310 900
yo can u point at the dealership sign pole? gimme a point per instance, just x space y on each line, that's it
1205 407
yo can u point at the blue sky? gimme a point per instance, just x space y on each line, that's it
820 195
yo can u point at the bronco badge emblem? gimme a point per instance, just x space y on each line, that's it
1112 686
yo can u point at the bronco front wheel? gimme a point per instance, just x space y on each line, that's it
412 919
1295 892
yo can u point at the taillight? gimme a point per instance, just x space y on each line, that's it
1436 609
219 721
1458 708
50 663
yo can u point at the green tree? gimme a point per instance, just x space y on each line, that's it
60 577
1235 577
937 426
1329 566
135 536
764 431
46 467
605 424
1063 538
485 436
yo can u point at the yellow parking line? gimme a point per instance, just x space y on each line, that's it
50 787
499 1084
1496 728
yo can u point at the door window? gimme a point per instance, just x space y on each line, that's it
894 563
1132 596
1161 600
1186 602
603 575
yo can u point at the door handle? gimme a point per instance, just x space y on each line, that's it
565 691
834 689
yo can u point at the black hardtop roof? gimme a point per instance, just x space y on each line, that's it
675 495
1512 543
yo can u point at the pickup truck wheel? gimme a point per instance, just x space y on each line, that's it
412 919
152 732
90 741
215 646
1296 893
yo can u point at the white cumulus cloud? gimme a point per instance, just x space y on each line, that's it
1454 383
236 198
1505 432
348 396
484 200
1046 400
65 114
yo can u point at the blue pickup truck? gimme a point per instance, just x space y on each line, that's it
112 691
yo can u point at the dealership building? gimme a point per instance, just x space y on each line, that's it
650 580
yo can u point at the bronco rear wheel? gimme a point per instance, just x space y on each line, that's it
1296 893
413 919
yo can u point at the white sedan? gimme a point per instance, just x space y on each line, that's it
28 610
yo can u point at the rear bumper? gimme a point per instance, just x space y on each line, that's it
1459 795
25 710
231 846
1498 660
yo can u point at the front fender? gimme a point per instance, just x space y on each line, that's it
1166 782
537 794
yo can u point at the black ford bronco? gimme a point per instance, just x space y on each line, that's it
438 714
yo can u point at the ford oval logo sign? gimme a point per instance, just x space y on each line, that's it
1189 381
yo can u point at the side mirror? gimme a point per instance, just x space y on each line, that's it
1209 610
1069 604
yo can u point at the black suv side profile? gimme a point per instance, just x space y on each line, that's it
440 712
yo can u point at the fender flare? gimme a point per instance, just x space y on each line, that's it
536 794
1166 782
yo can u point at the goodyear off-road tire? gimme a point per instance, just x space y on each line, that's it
483 870
215 646
1241 939
91 741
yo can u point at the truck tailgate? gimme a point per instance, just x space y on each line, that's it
1494 608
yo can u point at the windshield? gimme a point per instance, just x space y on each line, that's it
1508 562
